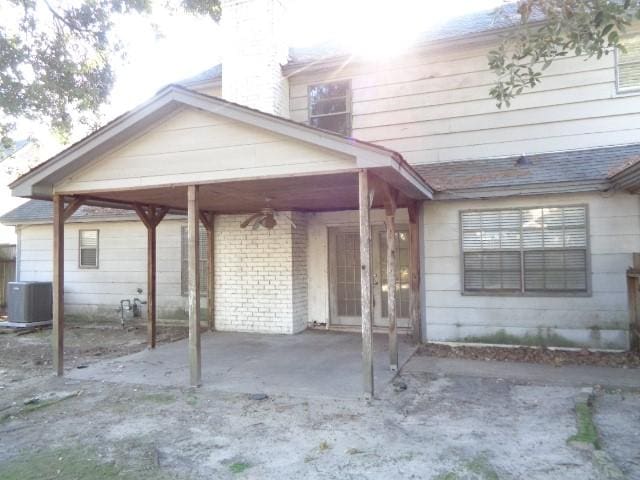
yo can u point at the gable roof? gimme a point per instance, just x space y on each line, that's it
38 182
574 170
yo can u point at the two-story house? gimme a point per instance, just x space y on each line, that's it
526 217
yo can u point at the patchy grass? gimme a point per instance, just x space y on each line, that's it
36 405
477 468
481 467
239 467
587 431
159 398
501 337
68 464
446 476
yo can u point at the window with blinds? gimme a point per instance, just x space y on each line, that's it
628 65
88 251
203 264
525 250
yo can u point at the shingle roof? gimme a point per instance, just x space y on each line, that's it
460 26
207 75
41 211
469 24
595 164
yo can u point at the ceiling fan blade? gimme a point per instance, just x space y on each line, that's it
287 218
249 220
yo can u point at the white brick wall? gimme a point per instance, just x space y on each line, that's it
254 50
300 282
260 276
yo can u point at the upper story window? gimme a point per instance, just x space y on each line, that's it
525 251
88 242
330 106
628 65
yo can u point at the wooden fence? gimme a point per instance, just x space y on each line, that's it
7 270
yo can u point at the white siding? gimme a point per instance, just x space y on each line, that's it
600 319
435 106
122 265
194 146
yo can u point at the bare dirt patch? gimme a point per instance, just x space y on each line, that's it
25 354
532 355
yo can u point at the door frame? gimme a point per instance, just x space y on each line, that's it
377 231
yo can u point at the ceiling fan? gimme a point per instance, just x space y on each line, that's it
267 218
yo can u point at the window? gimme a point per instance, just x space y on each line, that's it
525 250
204 263
628 65
330 107
88 255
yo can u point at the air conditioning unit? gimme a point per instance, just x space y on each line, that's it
29 303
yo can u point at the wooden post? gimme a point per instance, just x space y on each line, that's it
365 284
633 286
60 214
390 202
414 273
207 220
194 284
151 216
57 336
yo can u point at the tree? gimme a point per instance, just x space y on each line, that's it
551 29
56 58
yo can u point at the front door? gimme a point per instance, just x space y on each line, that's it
344 276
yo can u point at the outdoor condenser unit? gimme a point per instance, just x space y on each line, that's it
29 302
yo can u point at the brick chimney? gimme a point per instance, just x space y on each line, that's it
255 47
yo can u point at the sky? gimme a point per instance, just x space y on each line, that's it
189 44
192 44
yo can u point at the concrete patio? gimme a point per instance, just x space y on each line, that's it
312 364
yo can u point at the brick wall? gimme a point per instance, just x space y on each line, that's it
299 271
260 276
254 50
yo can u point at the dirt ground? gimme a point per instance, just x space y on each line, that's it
439 427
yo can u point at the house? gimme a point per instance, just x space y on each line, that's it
517 223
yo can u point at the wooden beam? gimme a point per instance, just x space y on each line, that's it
390 222
194 284
57 336
365 284
151 216
207 219
414 272
71 208
633 290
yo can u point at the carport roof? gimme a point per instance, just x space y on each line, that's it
40 181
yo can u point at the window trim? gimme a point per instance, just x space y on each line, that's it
348 105
523 293
80 248
622 90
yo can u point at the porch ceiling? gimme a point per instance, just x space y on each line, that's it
328 192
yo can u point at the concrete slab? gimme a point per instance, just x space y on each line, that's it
312 364
566 375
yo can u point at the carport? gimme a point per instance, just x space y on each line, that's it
221 158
